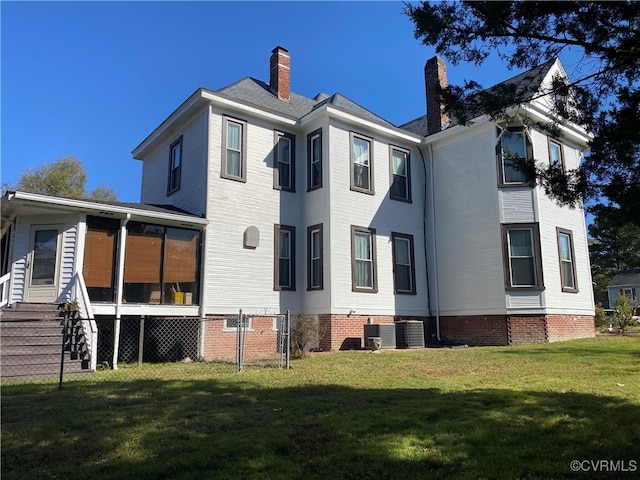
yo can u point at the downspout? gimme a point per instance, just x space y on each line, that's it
435 250
202 331
424 230
203 288
119 289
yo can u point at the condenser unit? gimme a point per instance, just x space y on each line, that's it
409 334
386 332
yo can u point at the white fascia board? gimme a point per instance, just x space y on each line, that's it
392 132
188 105
115 210
199 98
233 104
572 131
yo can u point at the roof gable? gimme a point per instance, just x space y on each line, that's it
527 86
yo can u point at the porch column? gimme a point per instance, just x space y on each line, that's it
119 288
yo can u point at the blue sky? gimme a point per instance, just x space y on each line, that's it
93 79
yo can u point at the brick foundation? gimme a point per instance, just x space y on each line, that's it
474 330
515 329
261 341
568 327
346 332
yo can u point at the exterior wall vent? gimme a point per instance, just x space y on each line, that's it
252 237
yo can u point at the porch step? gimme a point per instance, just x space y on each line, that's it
30 311
32 348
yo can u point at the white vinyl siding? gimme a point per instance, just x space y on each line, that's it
233 270
193 173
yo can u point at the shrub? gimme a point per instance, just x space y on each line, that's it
304 335
623 312
601 317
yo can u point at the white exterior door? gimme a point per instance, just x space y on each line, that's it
43 263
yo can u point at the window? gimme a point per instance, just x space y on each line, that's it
630 293
400 178
175 166
555 154
314 253
161 264
284 162
523 268
314 160
234 155
567 263
361 166
363 260
404 274
284 253
231 323
100 258
513 150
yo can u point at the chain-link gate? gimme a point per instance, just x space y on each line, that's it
283 326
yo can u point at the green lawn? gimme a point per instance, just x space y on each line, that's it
475 413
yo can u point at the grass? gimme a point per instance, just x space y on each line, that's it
478 413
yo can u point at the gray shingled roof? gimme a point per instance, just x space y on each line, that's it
258 93
626 278
527 84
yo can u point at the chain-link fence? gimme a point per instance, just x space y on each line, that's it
32 350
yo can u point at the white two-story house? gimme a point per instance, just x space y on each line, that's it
257 199
318 206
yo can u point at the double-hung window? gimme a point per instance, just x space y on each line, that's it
514 151
314 252
284 172
567 262
555 154
363 260
234 149
523 267
314 160
285 258
404 274
361 164
400 175
175 166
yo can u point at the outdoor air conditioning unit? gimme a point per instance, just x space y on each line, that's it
409 334
386 332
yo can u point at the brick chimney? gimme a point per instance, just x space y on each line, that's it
280 73
435 73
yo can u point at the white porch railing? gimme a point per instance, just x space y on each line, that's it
4 289
81 295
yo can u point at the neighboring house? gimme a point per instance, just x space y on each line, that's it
318 206
627 283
